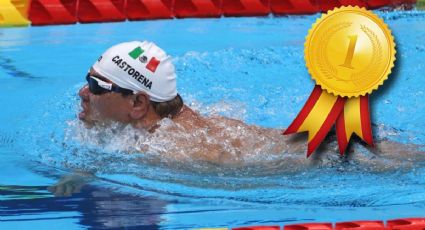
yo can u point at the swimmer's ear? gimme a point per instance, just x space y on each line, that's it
140 105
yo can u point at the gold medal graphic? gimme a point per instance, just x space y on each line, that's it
349 52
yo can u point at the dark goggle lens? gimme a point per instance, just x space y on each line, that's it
96 89
94 86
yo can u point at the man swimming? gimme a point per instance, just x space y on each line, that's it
135 83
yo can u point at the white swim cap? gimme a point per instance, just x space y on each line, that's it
139 66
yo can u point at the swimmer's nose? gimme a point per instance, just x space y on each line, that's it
84 92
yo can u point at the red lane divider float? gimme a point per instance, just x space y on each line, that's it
197 8
280 7
245 7
378 3
258 228
363 225
47 12
375 4
407 224
149 9
101 11
310 226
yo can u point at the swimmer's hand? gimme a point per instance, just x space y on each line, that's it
69 185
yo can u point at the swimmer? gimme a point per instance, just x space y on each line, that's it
135 83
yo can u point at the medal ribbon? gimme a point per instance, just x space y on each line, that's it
322 110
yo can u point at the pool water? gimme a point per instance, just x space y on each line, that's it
250 69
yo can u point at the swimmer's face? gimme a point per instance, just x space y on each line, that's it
104 107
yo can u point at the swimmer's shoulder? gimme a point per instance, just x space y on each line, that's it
189 118
185 113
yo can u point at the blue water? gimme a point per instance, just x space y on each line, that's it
250 69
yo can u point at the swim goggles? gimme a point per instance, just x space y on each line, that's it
97 86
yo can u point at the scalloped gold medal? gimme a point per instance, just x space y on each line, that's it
349 51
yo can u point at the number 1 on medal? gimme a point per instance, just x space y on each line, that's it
350 53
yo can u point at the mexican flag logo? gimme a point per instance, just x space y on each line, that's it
153 62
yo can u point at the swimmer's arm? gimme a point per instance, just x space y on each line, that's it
297 145
395 149
70 184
